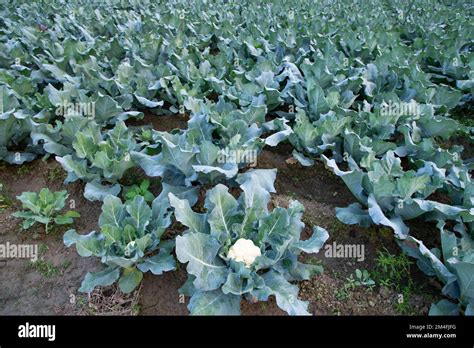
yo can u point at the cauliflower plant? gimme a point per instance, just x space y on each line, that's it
238 249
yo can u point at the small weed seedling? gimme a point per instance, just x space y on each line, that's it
56 174
392 270
140 190
24 170
5 201
363 278
45 268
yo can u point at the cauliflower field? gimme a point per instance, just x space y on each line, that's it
236 157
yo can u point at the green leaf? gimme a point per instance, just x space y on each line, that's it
285 293
223 211
95 191
200 250
140 213
410 183
103 278
354 214
162 262
130 279
444 307
317 101
184 214
214 303
106 109
113 212
86 245
315 242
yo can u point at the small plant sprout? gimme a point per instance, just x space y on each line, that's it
44 207
140 190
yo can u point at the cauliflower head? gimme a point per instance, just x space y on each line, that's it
244 250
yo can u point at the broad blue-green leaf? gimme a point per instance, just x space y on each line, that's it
113 212
427 261
379 218
95 191
465 275
76 169
314 243
200 251
444 307
84 145
214 303
140 213
181 192
304 271
285 293
352 179
303 160
222 210
106 109
130 279
103 278
237 285
86 245
8 102
184 214
162 262
354 214
264 178
278 137
317 101
148 103
229 172
410 183
152 165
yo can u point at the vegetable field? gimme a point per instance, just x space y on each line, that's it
236 157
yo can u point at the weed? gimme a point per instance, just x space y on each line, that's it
139 190
65 264
5 201
291 195
363 278
403 305
24 170
56 174
136 309
45 268
392 270
43 248
342 293
81 301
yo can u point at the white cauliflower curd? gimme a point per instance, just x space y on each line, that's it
244 251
